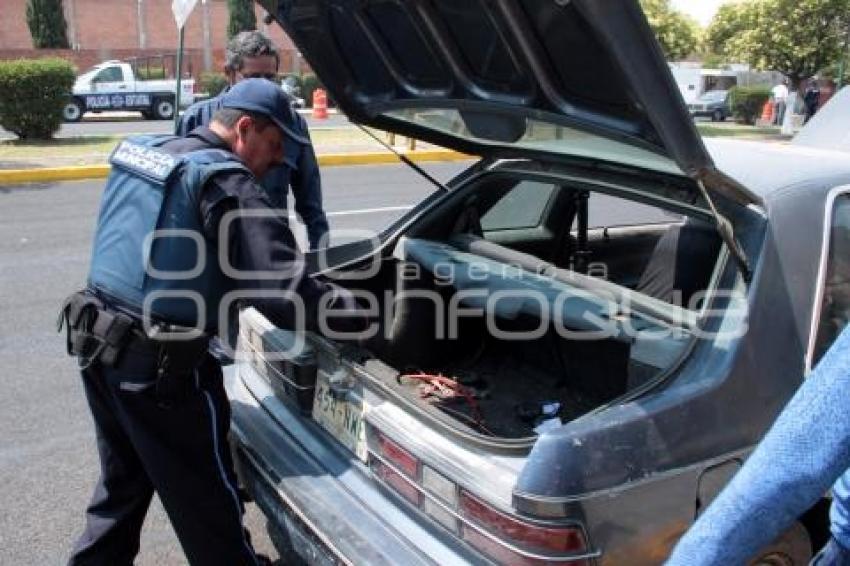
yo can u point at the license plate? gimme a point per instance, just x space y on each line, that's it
341 414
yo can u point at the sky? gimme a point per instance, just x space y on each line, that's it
701 10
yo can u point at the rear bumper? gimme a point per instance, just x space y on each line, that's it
320 496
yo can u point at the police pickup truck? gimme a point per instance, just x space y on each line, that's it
121 85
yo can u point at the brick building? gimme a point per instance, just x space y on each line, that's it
100 30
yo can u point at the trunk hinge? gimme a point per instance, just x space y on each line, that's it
727 234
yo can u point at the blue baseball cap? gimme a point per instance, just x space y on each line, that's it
264 97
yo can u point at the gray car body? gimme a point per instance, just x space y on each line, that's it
635 473
717 110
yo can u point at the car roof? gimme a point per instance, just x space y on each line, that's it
767 167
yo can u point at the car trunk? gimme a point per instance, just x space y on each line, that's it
491 370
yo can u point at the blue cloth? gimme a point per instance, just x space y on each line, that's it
300 170
806 449
839 513
142 198
833 554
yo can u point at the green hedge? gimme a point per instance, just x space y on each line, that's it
32 95
748 102
212 83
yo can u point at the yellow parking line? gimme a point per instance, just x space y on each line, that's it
47 174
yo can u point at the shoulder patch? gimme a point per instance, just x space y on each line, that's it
148 162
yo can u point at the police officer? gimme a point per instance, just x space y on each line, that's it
250 54
182 224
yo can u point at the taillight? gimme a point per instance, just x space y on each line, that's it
396 481
397 463
504 538
399 457
536 540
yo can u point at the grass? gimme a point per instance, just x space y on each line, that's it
91 150
94 150
58 147
25 154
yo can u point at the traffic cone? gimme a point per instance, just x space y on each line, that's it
767 112
320 104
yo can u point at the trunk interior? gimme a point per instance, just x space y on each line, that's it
452 358
503 323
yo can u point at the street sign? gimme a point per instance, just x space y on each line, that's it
181 10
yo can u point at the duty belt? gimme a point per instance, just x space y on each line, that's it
97 332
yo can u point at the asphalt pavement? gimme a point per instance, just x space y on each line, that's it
48 463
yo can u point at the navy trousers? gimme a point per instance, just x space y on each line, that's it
176 446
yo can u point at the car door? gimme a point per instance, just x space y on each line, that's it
110 86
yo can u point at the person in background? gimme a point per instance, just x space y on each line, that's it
250 54
779 93
811 99
806 450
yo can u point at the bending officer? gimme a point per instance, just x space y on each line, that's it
183 229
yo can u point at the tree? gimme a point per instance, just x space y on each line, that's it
798 38
242 17
723 35
677 33
46 21
714 60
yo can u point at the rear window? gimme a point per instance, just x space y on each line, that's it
521 207
110 75
606 211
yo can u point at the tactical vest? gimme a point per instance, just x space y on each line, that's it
149 250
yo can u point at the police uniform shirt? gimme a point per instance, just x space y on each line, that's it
255 243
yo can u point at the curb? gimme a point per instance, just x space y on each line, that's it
79 172
17 176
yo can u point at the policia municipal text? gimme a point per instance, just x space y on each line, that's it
160 270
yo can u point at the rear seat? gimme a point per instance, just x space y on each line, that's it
682 262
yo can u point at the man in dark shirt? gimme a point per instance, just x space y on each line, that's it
250 54
810 99
159 406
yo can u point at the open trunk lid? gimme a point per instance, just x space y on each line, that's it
507 78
